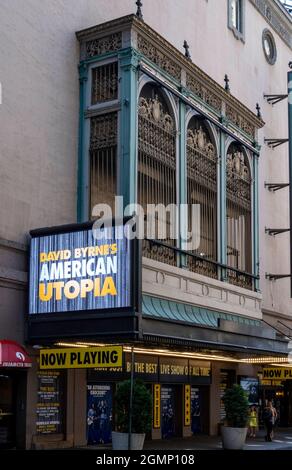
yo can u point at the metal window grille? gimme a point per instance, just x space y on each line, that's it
238 195
202 190
103 159
156 169
104 83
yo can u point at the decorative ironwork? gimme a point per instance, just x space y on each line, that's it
187 50
157 57
156 125
103 156
239 121
200 85
238 179
226 80
139 13
205 94
195 86
232 115
238 198
157 166
202 190
104 83
110 43
240 280
258 108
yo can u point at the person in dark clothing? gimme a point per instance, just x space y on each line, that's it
270 416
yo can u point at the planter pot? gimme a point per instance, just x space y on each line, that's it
233 438
120 441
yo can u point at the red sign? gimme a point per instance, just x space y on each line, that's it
12 354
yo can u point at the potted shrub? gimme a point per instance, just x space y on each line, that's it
141 415
235 424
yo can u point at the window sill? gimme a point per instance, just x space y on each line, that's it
237 34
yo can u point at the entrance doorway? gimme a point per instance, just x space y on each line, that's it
7 411
171 411
200 410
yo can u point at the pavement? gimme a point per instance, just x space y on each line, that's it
282 441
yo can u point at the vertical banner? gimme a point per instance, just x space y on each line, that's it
168 416
196 410
156 406
187 405
99 414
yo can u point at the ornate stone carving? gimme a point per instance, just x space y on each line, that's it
112 42
278 21
160 59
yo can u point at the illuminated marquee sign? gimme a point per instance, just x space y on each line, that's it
80 270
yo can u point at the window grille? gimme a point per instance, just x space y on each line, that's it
238 198
202 190
103 156
104 83
156 168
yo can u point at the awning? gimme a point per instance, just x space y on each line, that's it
177 311
13 354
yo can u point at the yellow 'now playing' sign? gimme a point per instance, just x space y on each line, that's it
77 358
280 373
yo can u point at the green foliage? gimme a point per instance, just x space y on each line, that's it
236 407
141 410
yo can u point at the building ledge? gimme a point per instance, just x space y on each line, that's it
179 285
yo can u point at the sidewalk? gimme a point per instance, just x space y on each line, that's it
282 441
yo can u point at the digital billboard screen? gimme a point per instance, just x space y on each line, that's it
80 270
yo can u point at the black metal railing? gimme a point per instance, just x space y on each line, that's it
160 251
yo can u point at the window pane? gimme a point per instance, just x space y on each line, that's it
236 14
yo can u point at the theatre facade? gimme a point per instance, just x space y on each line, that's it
155 129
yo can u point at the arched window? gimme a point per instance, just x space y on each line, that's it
202 190
238 195
156 164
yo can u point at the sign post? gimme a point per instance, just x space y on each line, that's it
131 398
